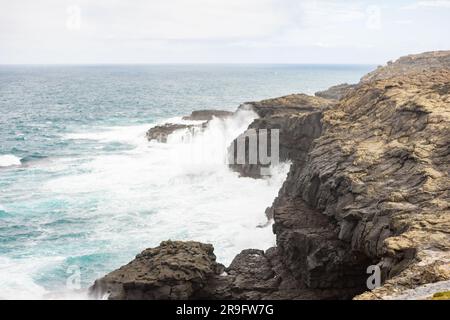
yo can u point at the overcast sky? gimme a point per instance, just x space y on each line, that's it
220 31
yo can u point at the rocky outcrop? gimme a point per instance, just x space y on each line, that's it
411 64
178 270
336 92
287 105
298 119
368 186
174 270
161 132
205 115
374 189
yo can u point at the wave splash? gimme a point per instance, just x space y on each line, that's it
9 160
132 199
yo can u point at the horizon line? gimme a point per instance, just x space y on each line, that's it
187 63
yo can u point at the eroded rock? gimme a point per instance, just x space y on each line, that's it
174 270
298 119
374 188
368 185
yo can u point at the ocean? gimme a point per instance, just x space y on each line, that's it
81 189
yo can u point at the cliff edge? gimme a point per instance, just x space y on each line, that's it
368 187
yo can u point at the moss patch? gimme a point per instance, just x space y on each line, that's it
441 296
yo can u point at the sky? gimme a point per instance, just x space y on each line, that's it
220 31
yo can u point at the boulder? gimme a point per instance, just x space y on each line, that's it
175 270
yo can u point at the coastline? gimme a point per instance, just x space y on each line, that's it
337 212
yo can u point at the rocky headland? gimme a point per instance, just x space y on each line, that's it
368 186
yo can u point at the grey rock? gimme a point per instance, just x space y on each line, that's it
298 118
161 132
175 270
206 115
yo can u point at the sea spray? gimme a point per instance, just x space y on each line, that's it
9 160
207 146
103 192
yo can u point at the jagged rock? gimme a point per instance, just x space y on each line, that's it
206 115
174 270
160 133
368 185
379 176
178 270
414 63
298 119
374 186
336 92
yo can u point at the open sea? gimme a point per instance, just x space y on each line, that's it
81 189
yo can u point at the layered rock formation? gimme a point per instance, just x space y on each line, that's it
298 119
411 64
368 185
379 174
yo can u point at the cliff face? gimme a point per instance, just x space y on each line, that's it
368 185
298 119
379 176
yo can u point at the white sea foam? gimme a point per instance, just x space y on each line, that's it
16 278
124 134
160 191
8 160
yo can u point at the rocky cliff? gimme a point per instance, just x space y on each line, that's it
298 119
368 186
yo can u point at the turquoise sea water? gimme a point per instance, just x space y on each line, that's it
80 187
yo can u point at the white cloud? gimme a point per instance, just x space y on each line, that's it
318 13
73 21
216 30
373 17
429 4
180 19
403 22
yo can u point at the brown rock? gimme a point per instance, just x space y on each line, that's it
379 175
290 104
414 63
336 92
160 133
369 184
